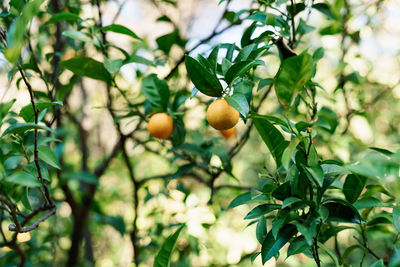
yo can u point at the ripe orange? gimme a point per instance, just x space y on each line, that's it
160 125
222 116
228 133
23 237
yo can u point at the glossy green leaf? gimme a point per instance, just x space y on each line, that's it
342 211
261 210
80 36
271 246
330 253
85 66
325 9
261 229
63 16
353 187
112 65
298 246
24 179
25 199
239 102
139 60
27 111
288 152
240 68
20 128
179 133
86 177
272 137
48 156
205 82
315 174
289 201
120 29
164 255
293 74
4 108
166 41
156 91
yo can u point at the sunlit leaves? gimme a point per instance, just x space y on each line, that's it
85 66
164 255
271 136
292 76
156 91
120 29
205 81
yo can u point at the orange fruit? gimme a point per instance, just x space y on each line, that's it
222 116
160 125
228 133
23 237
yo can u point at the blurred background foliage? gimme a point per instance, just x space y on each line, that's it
120 193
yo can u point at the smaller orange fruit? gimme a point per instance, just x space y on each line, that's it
222 116
160 125
23 237
228 133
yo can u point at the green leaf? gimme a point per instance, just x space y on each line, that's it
25 199
27 112
213 59
245 52
20 128
86 177
369 202
18 29
396 218
166 42
293 74
261 210
239 102
318 54
324 9
261 230
23 178
327 120
246 88
353 187
240 200
271 246
85 66
330 253
289 201
4 108
378 263
271 136
80 36
120 29
297 246
287 154
63 16
48 156
240 68
112 65
315 174
205 82
164 255
342 211
156 91
138 59
179 134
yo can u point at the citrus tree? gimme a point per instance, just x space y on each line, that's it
118 145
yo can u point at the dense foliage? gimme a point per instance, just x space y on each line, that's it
80 175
